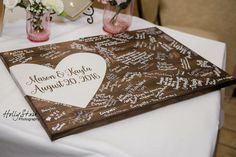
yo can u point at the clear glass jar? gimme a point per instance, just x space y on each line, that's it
38 27
117 20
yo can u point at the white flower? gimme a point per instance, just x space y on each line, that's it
37 1
11 4
31 2
56 5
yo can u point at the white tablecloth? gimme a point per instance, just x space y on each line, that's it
184 129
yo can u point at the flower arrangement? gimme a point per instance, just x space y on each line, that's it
38 16
37 7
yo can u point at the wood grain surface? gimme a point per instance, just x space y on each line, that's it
146 69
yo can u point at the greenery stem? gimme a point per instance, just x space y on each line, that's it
114 18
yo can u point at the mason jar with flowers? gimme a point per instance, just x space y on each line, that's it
37 16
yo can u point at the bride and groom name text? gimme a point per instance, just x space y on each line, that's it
60 79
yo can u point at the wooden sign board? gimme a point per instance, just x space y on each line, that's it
82 84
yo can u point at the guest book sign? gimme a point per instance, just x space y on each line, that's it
81 84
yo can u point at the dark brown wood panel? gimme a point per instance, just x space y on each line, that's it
146 69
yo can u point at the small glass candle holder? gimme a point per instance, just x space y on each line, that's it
38 27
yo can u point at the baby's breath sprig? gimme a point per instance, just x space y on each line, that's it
37 9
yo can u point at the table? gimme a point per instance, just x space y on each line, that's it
187 128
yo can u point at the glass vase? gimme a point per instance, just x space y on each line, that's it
116 20
38 27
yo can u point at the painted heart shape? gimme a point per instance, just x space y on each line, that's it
74 81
